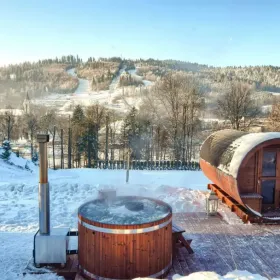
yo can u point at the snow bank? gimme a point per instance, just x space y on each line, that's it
15 166
209 275
70 188
242 146
16 251
236 275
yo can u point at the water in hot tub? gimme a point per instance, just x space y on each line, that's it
118 213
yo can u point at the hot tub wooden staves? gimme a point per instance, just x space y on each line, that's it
125 251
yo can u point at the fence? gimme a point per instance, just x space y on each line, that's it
147 165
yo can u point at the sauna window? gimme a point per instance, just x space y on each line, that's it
268 191
269 164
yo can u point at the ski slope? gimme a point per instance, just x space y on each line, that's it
113 98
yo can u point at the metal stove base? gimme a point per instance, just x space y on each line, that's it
52 248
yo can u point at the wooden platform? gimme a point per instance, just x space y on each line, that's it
241 211
219 247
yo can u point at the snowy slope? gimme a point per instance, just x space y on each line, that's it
64 103
15 167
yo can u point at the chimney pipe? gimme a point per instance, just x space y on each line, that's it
44 192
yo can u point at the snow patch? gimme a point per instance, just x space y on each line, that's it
234 275
14 165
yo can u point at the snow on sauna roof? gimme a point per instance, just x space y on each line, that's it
226 149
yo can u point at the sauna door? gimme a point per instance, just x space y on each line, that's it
269 173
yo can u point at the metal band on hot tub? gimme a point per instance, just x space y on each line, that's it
93 276
124 231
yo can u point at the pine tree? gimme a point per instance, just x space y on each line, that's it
78 115
132 135
35 157
78 123
7 150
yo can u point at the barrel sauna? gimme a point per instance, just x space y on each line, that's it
126 238
246 166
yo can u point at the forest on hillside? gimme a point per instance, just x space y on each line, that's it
49 75
168 125
99 73
263 78
42 77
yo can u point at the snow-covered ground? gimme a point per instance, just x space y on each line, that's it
83 83
183 190
68 190
207 275
266 108
134 75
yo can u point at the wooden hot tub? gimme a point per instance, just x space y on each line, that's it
127 238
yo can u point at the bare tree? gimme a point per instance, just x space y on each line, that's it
174 104
32 126
8 123
61 150
107 140
95 117
170 96
113 127
238 106
274 118
48 123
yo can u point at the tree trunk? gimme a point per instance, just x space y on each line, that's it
89 147
9 127
96 141
158 142
112 142
31 147
188 144
175 143
54 130
184 131
191 143
124 144
128 165
107 139
152 142
62 154
147 149
69 148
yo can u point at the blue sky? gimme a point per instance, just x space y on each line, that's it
214 32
